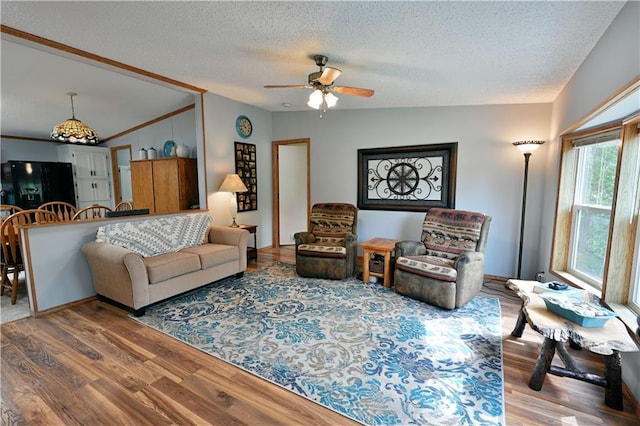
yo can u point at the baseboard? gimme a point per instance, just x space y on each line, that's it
38 314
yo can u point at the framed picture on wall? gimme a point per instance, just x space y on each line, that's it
410 178
246 169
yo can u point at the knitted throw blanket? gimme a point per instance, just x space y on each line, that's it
157 236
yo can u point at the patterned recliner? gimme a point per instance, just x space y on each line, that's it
329 249
446 268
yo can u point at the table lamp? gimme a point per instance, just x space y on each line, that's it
232 183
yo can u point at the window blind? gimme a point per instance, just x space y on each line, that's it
608 136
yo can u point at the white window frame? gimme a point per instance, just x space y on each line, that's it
573 249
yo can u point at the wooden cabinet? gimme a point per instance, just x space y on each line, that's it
91 173
164 185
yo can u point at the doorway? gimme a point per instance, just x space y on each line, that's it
121 172
291 189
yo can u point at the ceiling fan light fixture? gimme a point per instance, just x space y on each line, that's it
330 99
315 99
74 130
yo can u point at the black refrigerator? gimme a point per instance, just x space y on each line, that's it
32 183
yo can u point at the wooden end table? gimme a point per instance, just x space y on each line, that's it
252 251
383 247
608 341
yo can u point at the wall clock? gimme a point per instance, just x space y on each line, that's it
244 126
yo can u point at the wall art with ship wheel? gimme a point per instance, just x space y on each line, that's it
410 178
246 169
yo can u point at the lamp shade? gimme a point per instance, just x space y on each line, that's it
330 99
232 183
74 130
315 99
528 146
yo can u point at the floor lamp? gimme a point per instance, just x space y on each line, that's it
526 147
233 184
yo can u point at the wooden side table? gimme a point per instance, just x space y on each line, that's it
252 251
608 341
383 247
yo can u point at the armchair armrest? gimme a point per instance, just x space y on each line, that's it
470 267
303 238
229 236
468 258
410 248
351 240
118 273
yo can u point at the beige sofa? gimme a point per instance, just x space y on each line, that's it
130 266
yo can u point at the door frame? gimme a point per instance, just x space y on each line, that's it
115 172
275 170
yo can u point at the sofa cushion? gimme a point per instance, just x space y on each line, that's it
156 236
214 254
428 266
322 250
165 266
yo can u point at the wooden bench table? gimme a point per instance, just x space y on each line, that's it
608 341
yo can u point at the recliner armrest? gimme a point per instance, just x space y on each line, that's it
410 248
303 238
467 258
350 240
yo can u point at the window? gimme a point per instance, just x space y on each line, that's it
634 299
593 199
596 239
634 293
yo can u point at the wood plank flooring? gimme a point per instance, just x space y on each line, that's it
92 365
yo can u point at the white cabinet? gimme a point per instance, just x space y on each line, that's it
91 165
91 173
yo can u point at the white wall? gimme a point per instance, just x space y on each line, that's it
220 133
489 172
611 65
26 150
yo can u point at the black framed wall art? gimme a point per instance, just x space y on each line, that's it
246 169
410 178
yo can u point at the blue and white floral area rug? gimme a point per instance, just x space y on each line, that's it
361 350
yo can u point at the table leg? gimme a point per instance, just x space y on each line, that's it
387 269
365 266
543 363
613 374
520 323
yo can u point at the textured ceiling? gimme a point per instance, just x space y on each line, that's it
411 53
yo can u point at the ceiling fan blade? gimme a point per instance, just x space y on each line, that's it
287 86
329 75
355 91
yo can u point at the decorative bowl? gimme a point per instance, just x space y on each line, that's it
575 309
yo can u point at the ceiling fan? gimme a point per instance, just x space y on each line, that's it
322 83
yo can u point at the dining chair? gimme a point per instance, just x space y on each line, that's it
123 205
12 261
7 210
64 210
91 212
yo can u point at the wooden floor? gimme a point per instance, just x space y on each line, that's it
92 365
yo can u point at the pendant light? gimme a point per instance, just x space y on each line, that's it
74 130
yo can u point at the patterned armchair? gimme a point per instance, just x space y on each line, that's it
446 268
330 247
